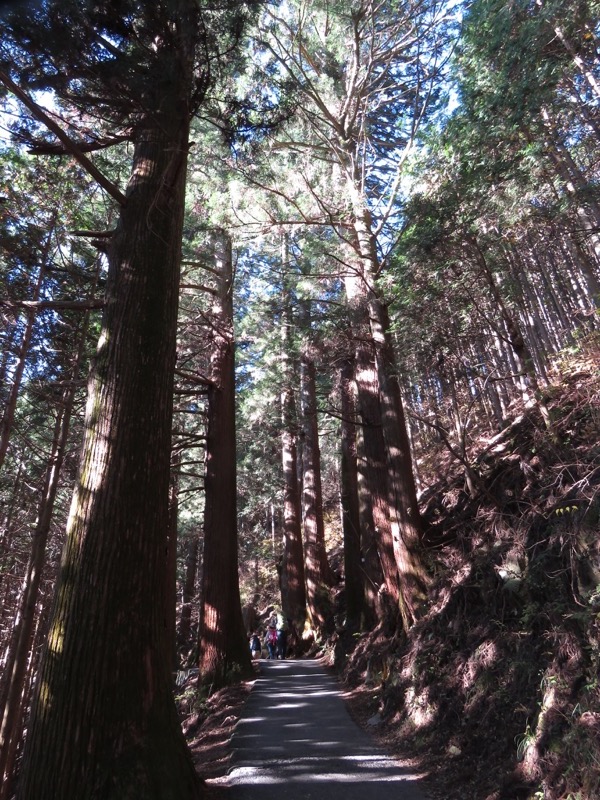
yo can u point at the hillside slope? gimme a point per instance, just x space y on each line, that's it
495 691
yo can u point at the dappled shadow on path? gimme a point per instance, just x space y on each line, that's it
296 740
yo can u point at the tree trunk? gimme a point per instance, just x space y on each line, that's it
405 516
372 572
104 722
192 547
373 450
17 372
223 647
353 587
13 697
293 590
171 571
408 586
317 572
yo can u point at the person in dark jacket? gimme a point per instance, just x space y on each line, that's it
255 645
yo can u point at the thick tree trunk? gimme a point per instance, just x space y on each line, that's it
398 521
404 517
104 722
223 646
13 694
369 406
404 509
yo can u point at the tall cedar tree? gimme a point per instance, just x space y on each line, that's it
317 572
223 646
18 663
293 590
104 722
365 74
355 596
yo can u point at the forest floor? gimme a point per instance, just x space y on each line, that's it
209 729
442 775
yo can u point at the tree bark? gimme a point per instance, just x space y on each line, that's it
317 572
192 547
353 586
13 692
293 590
372 572
369 406
399 525
104 722
405 517
223 647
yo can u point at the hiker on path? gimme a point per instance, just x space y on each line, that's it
271 637
255 645
282 630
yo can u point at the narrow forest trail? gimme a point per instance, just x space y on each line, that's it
296 740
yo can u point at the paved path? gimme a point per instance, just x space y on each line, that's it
296 741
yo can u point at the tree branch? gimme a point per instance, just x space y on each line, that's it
70 146
199 287
195 377
55 149
93 234
54 305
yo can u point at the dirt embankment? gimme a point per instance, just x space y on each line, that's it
495 692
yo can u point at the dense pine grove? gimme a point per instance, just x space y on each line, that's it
299 312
